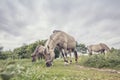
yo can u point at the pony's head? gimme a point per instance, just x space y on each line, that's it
49 56
33 57
34 54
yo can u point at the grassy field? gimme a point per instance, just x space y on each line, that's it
26 70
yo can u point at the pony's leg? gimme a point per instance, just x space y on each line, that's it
76 56
103 52
64 54
61 54
90 52
41 57
70 57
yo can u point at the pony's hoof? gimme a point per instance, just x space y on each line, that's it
66 63
70 61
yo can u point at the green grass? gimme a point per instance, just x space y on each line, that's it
26 70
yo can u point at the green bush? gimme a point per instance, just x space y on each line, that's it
110 60
113 58
96 61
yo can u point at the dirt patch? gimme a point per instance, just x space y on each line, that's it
98 69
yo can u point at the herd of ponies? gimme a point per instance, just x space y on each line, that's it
66 44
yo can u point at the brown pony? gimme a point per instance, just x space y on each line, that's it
101 47
38 52
66 44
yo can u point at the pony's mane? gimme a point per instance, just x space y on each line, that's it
51 36
56 31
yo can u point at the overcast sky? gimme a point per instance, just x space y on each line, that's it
89 21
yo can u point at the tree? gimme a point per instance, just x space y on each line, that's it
5 54
57 53
1 48
81 48
1 55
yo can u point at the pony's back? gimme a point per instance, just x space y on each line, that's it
71 43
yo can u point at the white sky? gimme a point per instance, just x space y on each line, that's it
89 21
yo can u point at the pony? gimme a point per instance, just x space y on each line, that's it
38 52
64 42
101 47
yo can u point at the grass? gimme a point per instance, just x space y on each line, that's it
26 70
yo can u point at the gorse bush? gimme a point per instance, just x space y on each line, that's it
95 61
113 59
110 60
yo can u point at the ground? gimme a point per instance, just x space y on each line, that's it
26 70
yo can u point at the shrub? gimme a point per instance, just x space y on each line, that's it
110 60
113 58
95 61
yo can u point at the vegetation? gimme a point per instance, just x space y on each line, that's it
24 69
81 48
25 51
22 52
109 60
17 65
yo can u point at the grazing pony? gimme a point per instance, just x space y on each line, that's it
38 52
101 47
64 42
